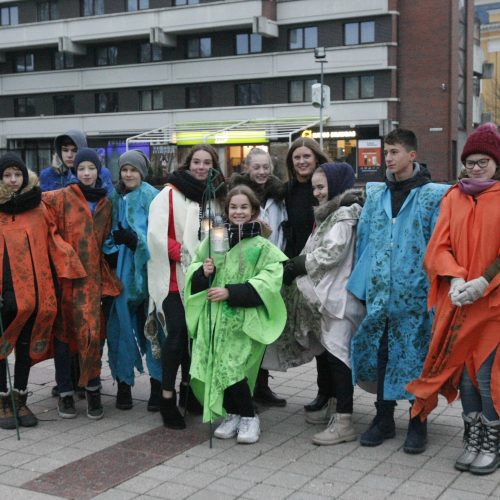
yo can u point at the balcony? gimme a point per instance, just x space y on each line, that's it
125 25
304 11
233 68
340 113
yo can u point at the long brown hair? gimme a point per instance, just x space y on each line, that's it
320 155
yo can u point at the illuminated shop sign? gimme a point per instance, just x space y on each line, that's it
332 134
225 137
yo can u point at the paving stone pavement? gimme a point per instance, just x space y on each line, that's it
129 455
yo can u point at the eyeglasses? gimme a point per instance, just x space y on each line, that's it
481 163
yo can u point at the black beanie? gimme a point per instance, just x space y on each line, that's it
339 176
12 160
86 154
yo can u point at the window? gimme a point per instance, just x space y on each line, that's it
151 99
24 63
359 87
92 7
149 52
303 38
47 11
199 47
106 102
137 5
64 60
248 94
356 33
24 106
186 2
64 104
199 97
300 90
247 43
106 56
9 15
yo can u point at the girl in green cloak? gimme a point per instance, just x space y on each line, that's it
242 289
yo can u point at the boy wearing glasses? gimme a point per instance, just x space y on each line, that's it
390 345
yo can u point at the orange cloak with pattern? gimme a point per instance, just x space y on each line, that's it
466 240
80 322
30 240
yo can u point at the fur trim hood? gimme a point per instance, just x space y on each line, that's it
274 188
345 199
6 193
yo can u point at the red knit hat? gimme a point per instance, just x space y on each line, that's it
485 139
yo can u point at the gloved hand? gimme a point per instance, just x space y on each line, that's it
125 237
456 285
471 291
293 268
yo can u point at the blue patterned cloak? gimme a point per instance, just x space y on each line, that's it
125 326
389 276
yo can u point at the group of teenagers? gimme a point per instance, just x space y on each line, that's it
394 286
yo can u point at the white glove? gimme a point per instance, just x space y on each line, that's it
471 291
456 285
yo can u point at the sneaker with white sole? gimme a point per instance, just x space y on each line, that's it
66 407
249 430
229 427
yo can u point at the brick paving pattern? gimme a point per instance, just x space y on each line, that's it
128 455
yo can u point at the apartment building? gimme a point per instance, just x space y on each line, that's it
165 74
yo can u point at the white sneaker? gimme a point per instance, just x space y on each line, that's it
249 430
229 427
324 415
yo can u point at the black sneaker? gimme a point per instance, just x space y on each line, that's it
95 410
66 407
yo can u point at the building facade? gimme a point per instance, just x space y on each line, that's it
118 68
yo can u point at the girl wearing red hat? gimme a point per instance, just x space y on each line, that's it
463 265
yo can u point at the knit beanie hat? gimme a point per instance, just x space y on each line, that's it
485 139
86 154
339 176
136 159
12 160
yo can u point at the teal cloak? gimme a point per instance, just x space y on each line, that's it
239 334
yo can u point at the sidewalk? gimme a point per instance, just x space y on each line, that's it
128 454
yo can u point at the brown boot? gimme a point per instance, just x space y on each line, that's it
24 414
7 420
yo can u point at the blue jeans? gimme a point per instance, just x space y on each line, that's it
479 400
62 363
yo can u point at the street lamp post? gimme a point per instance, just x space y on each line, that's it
320 57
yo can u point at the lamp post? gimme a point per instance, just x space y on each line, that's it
320 57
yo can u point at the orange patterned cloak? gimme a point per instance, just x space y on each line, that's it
80 320
466 240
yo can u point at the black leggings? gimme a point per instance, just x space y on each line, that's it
175 350
22 365
382 361
238 399
341 376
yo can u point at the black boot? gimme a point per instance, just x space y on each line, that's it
416 437
382 426
318 403
155 395
124 396
188 400
172 417
263 393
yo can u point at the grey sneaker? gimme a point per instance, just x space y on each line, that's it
66 407
95 410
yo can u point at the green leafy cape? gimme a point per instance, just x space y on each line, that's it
239 334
